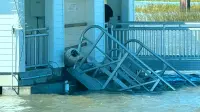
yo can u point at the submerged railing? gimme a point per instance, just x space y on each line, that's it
36 42
174 40
121 68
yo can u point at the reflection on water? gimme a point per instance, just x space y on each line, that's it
184 100
12 104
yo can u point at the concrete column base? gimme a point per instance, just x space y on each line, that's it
9 91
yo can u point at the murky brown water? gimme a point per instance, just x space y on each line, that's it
184 100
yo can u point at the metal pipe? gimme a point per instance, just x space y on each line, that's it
162 60
122 46
101 66
36 35
138 85
39 29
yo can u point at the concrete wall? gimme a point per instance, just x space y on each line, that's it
122 8
75 12
116 6
85 11
31 20
127 10
89 11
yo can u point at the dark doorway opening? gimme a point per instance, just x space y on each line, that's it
1 90
108 13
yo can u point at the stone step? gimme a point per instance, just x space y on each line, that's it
35 73
34 76
23 91
40 76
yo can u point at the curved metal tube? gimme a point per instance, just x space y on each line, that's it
158 57
122 46
86 30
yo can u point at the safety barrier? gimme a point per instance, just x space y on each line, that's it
36 47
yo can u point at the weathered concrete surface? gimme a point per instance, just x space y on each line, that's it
52 88
9 91
6 80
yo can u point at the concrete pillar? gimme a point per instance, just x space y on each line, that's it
19 36
54 13
95 16
20 50
99 19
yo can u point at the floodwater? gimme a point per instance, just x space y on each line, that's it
183 100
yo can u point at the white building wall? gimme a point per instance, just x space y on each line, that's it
30 14
84 11
11 53
75 12
90 11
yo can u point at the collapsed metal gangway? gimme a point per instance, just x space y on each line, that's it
124 73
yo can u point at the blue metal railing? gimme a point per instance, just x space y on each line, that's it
36 47
176 40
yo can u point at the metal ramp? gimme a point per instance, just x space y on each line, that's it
89 82
124 73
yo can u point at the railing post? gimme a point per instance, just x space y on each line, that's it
35 49
163 50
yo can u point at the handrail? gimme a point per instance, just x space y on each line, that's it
158 23
121 45
133 24
157 28
158 57
161 39
37 35
38 29
39 38
14 28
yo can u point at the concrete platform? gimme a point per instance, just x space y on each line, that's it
33 82
50 88
9 91
6 81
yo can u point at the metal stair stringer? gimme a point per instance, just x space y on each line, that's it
166 64
117 71
89 82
